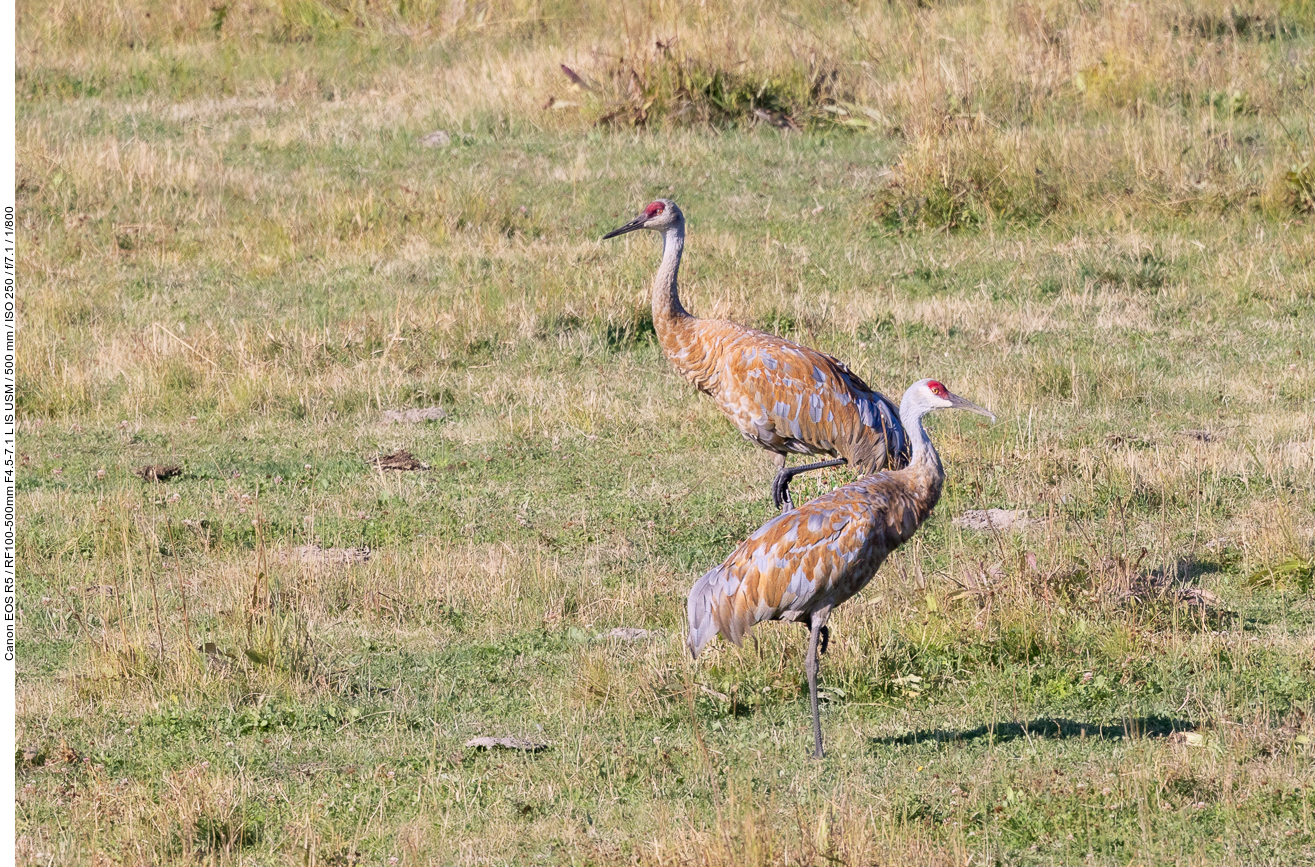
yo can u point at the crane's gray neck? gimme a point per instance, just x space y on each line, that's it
666 299
923 456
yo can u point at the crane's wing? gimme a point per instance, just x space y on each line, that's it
878 412
819 553
791 398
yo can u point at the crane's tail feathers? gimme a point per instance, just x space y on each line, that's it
702 611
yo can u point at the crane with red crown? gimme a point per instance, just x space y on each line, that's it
786 398
802 564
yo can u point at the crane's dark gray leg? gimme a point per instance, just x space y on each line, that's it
824 638
810 666
781 484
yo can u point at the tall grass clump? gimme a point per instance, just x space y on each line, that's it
667 87
969 175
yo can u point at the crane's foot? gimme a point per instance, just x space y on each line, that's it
781 484
781 492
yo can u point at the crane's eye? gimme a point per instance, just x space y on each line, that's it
937 389
654 209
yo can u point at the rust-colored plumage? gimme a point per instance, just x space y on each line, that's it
801 564
784 397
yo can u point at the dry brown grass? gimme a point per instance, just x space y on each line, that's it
236 256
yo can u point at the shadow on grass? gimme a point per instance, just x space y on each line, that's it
1053 729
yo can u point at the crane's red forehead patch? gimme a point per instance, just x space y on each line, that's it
654 208
937 389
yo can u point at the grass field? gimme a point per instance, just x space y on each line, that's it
1096 219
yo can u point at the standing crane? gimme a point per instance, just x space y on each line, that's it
801 564
784 397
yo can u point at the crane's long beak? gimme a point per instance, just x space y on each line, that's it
960 403
636 223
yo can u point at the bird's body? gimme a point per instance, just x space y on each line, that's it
783 397
802 564
811 558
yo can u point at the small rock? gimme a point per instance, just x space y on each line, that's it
414 416
436 139
712 692
1116 440
995 519
630 633
212 649
217 660
1198 596
507 743
317 556
158 472
1191 739
778 119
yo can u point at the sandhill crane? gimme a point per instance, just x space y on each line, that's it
782 396
801 564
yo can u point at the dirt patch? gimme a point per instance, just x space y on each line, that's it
402 460
507 744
